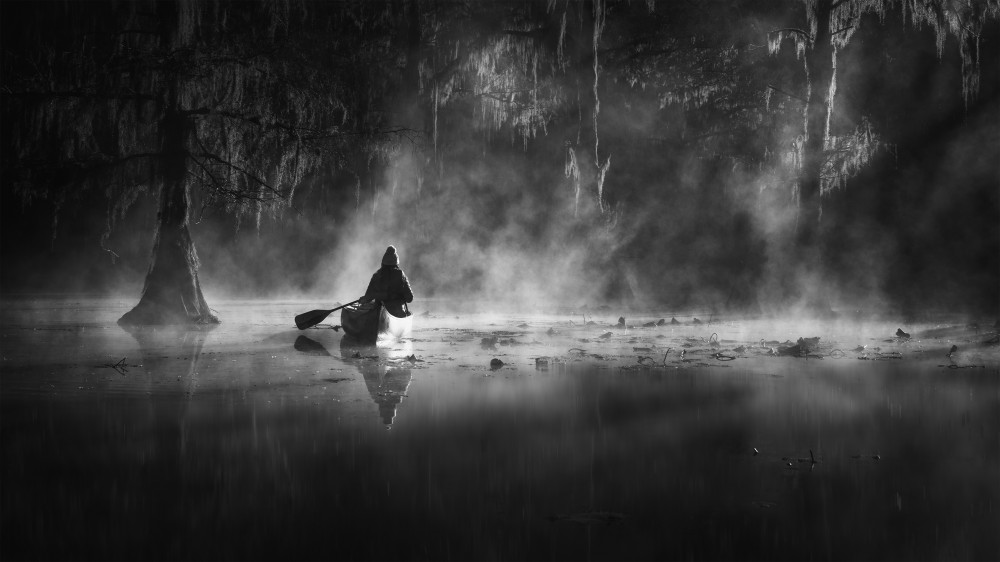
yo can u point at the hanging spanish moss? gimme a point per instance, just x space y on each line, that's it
600 131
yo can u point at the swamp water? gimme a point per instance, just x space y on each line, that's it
254 440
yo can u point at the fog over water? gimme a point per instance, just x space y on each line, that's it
689 283
254 439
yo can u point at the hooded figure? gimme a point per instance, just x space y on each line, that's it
389 286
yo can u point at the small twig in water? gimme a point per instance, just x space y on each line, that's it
120 366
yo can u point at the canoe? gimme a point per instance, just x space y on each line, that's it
371 322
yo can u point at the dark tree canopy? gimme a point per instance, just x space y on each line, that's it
689 153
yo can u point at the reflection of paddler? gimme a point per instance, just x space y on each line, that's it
387 387
386 384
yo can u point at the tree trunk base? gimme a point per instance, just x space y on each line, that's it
148 313
172 294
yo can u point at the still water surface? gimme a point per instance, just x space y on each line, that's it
253 440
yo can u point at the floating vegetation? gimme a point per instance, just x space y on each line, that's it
120 366
878 356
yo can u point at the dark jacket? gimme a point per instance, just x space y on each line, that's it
390 286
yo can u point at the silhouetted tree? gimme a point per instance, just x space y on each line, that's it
241 101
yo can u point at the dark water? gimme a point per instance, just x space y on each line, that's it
255 441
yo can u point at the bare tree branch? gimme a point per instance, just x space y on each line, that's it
791 95
222 161
792 30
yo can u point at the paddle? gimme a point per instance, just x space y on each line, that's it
313 317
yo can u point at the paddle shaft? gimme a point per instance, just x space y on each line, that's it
313 317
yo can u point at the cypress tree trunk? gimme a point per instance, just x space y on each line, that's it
172 293
587 75
820 65
820 68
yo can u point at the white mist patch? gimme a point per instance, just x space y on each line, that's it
462 238
347 270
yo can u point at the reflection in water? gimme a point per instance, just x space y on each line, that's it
387 387
171 353
278 455
307 345
153 340
385 370
385 376
171 361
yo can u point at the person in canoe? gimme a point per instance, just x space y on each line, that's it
389 286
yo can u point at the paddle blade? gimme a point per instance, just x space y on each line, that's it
311 318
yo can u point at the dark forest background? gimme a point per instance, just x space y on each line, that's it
652 154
